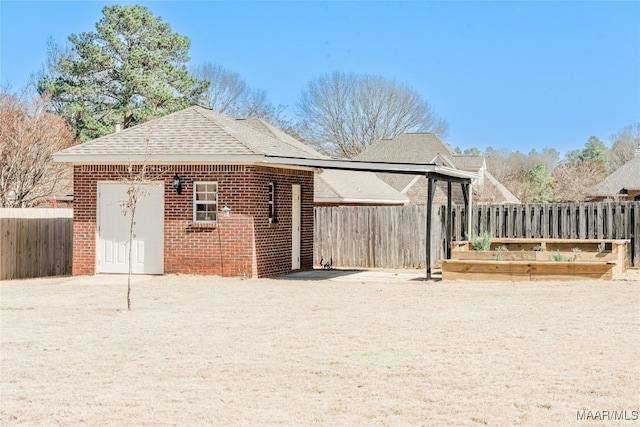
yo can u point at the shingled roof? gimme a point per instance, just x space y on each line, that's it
193 134
339 186
470 163
416 148
627 177
428 148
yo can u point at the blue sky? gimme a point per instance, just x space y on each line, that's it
514 75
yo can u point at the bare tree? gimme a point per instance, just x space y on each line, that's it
623 144
29 135
573 181
136 180
229 94
138 177
342 114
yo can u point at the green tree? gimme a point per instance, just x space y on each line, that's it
574 157
130 70
594 151
540 183
472 152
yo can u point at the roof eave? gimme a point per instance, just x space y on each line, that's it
164 159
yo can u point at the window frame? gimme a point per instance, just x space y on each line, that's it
271 203
197 202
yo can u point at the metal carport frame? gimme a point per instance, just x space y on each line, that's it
432 172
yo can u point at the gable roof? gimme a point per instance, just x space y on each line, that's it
627 176
495 192
416 148
269 129
410 148
470 163
428 148
193 134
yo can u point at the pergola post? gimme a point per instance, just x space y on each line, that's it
430 190
469 207
466 194
449 231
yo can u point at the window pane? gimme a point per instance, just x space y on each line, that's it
205 201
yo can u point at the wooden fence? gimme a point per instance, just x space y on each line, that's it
394 237
35 242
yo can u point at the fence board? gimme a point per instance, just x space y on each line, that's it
35 242
394 237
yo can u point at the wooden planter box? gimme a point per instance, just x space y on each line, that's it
533 259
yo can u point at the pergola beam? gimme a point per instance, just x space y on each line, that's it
432 178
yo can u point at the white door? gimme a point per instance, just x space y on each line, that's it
113 230
295 227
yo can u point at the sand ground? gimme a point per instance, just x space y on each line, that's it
351 351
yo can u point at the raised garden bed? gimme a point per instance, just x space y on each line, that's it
537 259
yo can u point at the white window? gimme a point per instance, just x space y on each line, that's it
272 203
205 201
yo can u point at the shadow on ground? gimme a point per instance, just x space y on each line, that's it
340 275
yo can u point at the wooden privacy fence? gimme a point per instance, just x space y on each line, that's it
394 237
35 242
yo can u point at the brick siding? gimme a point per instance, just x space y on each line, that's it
242 244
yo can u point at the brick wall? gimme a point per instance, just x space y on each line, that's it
242 244
273 241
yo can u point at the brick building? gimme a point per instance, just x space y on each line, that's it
220 196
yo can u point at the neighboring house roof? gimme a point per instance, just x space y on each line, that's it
193 134
470 163
407 147
416 148
338 186
428 148
627 177
495 192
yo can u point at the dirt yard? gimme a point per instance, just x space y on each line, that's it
351 351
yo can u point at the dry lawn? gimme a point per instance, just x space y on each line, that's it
349 352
